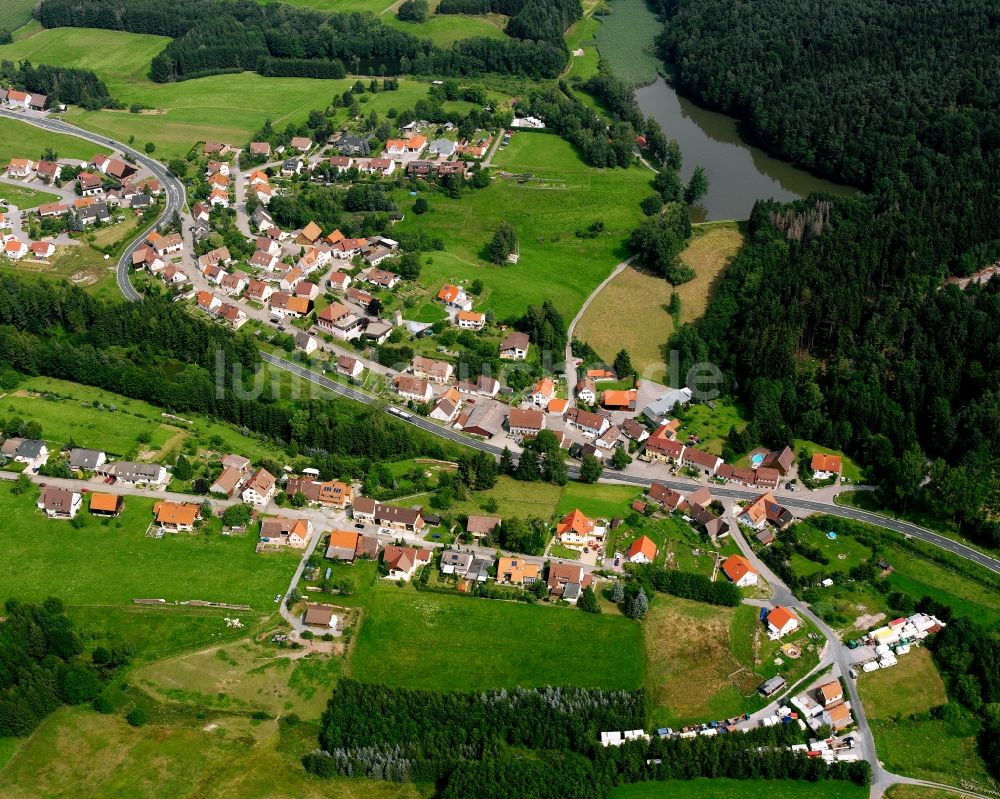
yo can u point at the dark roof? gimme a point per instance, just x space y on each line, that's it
84 459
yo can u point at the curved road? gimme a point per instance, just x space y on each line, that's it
173 188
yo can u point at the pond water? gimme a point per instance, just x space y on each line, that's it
738 173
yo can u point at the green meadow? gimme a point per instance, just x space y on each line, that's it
15 13
20 140
446 29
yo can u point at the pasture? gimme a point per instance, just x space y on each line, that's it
110 564
555 263
20 140
448 642
910 687
648 325
77 752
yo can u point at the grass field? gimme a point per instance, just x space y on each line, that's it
626 40
23 197
80 264
555 264
375 6
77 752
912 686
852 551
63 420
920 792
109 565
966 596
712 425
449 642
245 675
934 749
597 500
745 789
647 296
581 35
515 498
446 29
15 13
20 140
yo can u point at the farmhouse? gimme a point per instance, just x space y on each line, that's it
615 400
291 532
59 503
485 419
515 347
739 571
525 422
484 387
342 545
704 462
176 517
413 388
590 424
402 562
662 408
284 304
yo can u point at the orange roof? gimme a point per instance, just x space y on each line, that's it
839 713
153 237
779 617
298 304
395 144
576 522
334 237
643 544
175 512
312 231
12 245
471 316
557 405
545 386
104 502
831 691
821 462
448 292
343 538
417 142
736 567
452 395
618 398
19 163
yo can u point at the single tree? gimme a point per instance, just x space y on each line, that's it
623 365
591 469
617 592
620 459
588 601
697 187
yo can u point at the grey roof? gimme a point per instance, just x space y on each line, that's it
460 560
571 591
479 569
134 472
486 418
443 146
340 553
772 686
30 448
664 406
84 459
352 145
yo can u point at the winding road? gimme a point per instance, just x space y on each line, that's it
881 779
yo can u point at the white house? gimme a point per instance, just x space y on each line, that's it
260 490
780 622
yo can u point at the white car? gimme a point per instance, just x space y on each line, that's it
277 599
385 530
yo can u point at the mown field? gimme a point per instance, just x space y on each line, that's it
448 642
911 686
111 564
745 789
20 140
77 752
647 326
554 263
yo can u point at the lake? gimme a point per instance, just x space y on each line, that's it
738 173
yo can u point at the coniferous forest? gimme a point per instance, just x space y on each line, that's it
835 322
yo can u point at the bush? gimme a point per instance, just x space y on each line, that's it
136 717
102 705
260 715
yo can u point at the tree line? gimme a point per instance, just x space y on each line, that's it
833 320
213 36
60 84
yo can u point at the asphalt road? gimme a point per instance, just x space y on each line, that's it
173 188
175 197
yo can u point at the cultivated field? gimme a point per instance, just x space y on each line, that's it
447 642
644 330
112 564
77 752
555 264
912 686
19 140
745 789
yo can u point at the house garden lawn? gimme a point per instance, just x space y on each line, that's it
24 197
910 687
851 468
77 752
114 563
711 425
21 140
554 263
938 750
843 551
745 789
448 642
598 500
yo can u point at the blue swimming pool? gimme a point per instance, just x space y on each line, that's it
757 459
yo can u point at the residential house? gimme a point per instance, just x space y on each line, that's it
515 346
30 451
665 497
107 505
346 249
260 490
704 462
525 422
339 281
342 545
543 392
303 341
445 148
434 371
830 693
780 622
454 561
320 616
261 219
48 210
349 367
484 419
482 526
341 163
310 233
359 297
301 143
284 304
86 460
402 562
291 532
557 407
133 473
228 482
49 171
470 320
216 148
610 439
764 509
413 388
397 148
353 145
59 503
635 430
381 166
483 386
825 466
208 302
15 249
21 168
233 283
585 391
90 184
259 291
264 260
739 571
643 550
566 581
176 517
517 571
838 716
331 493
92 213
381 278
290 279
575 529
590 424
169 244
260 148
447 406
